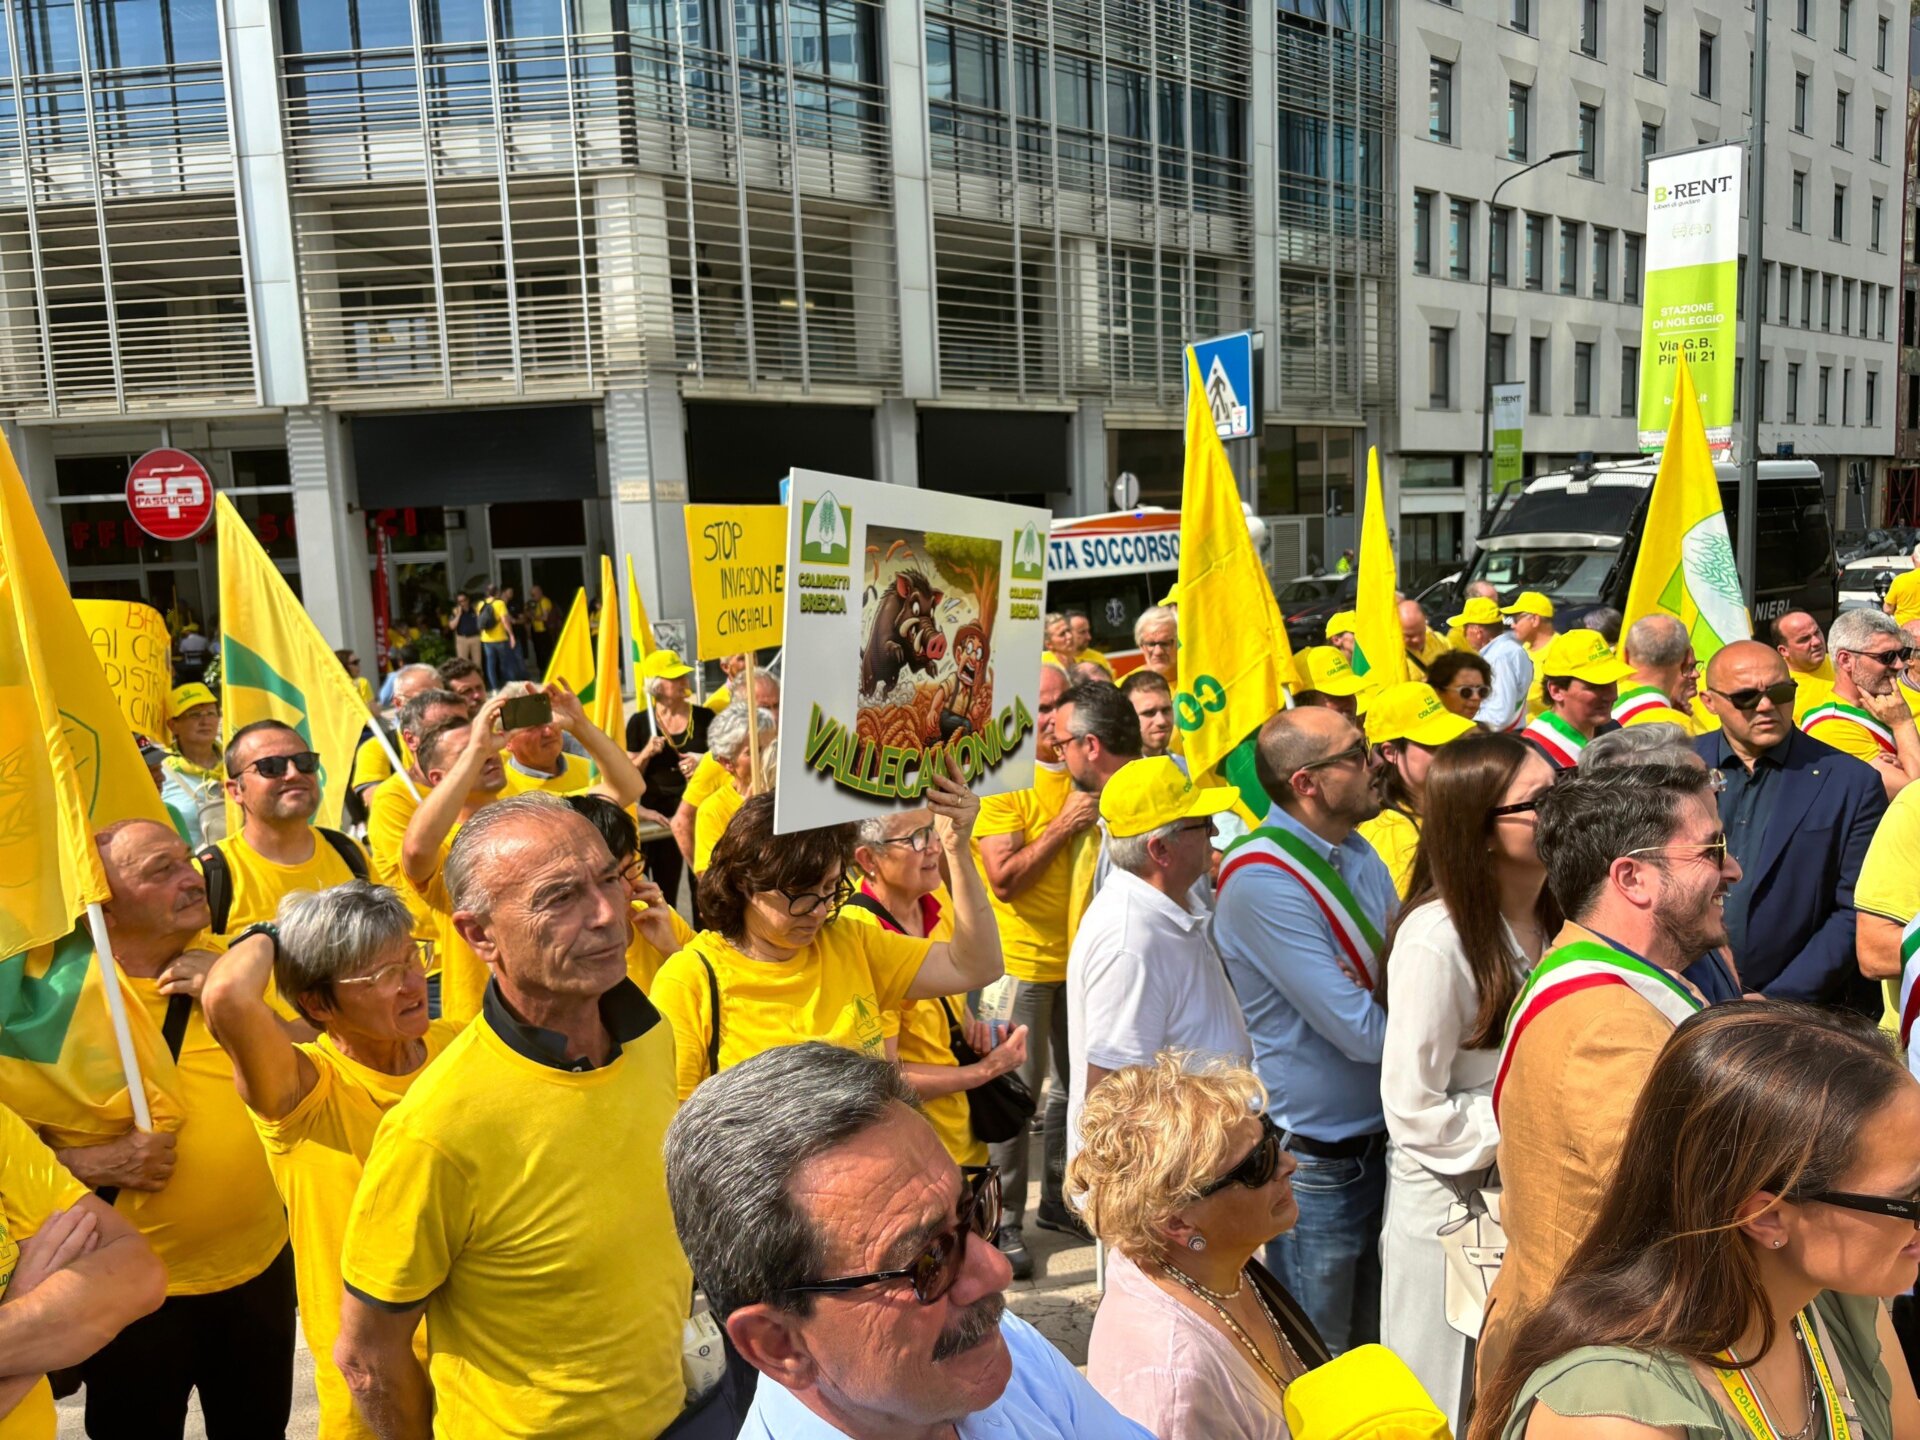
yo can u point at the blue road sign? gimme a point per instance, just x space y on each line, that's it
1226 374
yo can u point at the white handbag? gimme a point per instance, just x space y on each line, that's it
1474 1245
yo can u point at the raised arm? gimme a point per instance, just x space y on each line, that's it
270 1072
971 958
440 807
620 779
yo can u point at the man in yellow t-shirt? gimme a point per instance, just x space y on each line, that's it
1864 715
392 802
50 1327
537 759
1424 644
1082 629
497 653
731 666
538 615
370 762
1887 897
1666 675
552 1281
1798 636
1903 595
727 747
200 1194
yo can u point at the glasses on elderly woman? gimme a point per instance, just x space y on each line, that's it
394 973
1257 1169
933 1271
915 840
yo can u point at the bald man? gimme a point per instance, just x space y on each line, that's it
1798 816
1665 675
1424 644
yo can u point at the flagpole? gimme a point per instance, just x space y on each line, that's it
753 726
393 756
117 1011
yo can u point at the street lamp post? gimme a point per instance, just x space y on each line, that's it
1486 337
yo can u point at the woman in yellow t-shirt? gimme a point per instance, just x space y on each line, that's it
1405 724
901 890
778 968
346 957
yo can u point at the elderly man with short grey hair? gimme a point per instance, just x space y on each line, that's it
1157 632
850 1260
1866 716
553 1287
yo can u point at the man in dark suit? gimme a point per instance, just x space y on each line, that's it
1798 816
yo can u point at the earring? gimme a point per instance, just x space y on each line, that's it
1197 1242
1778 1243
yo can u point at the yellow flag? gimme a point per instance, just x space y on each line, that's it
1379 649
572 659
275 664
1233 646
603 701
639 628
1686 567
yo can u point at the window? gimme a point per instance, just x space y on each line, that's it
1840 118
1786 294
1630 272
1763 391
1589 136
1846 395
1440 368
1583 377
1873 376
1440 101
1649 147
1873 237
1602 263
1518 99
1537 375
1536 252
1800 103
1826 302
1499 229
1650 44
1880 64
1846 306
1806 299
1880 133
1589 27
1793 392
1706 64
1497 358
1846 27
1826 378
1885 291
1629 379
1460 239
1803 16
1423 232
1569 257
1799 212
1766 287
1522 14
1839 212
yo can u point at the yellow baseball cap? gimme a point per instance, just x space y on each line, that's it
1530 602
1326 669
1584 655
1143 795
1478 611
664 665
1342 622
1412 711
1172 597
188 697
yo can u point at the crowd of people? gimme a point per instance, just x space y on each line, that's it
1522 1020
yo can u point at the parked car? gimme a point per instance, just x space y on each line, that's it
1864 582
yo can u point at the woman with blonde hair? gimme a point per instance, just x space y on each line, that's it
1182 1175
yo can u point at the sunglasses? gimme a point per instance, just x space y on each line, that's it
806 902
1782 695
1470 692
1259 1166
1886 658
1908 1210
273 767
1356 752
1714 850
933 1271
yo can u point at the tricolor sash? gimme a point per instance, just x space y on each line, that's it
1909 991
1833 712
1561 741
1638 701
1583 965
1356 935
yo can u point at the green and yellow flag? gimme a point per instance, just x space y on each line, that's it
1234 655
639 628
1686 567
572 661
603 702
1379 648
275 664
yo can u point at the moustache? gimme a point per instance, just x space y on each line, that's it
980 1322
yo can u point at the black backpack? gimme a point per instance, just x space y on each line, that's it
213 865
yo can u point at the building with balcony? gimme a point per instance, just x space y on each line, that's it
513 281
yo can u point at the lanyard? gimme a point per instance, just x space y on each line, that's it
1747 1403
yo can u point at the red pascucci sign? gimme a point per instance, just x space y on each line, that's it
170 494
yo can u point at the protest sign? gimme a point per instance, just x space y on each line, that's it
738 557
913 633
135 651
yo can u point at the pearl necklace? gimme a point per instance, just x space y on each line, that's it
1213 1299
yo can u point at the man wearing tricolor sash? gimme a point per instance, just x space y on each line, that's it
1302 906
1637 859
1664 678
1909 992
1865 715
1578 676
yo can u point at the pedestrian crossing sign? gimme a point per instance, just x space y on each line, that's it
1227 372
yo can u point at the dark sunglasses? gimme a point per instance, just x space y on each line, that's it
1886 658
1339 757
272 767
1908 1210
933 1271
1782 695
806 902
1259 1166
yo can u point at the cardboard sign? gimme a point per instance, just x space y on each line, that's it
131 641
738 556
913 633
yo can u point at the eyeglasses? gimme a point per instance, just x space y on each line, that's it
1159 644
272 767
1715 850
1205 823
801 903
1258 1167
1782 695
1908 1210
933 1271
394 973
917 840
1355 752
1519 807
1886 658
1470 692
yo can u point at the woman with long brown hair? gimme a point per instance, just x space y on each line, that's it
1767 1196
1476 920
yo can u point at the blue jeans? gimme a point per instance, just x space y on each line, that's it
501 663
1330 1260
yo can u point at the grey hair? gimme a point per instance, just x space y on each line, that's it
1593 819
1657 640
1658 742
469 883
1481 590
1154 615
1129 852
727 735
412 714
1604 620
734 1151
327 934
514 689
1855 628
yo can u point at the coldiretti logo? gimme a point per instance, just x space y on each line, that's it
826 528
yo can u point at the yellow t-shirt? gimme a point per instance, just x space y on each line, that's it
219 1221
260 884
576 775
1848 735
1903 595
1889 884
643 960
834 990
1536 687
389 811
363 687
1033 925
496 633
710 822
554 1285
1089 656
1395 837
316 1153
1431 649
1813 686
708 777
33 1185
720 699
370 764
463 974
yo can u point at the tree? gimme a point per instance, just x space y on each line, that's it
969 563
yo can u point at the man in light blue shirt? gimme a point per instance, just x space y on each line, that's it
1303 903
852 1262
1505 652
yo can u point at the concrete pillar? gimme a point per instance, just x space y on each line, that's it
1264 137
330 530
1087 457
634 272
896 443
266 207
647 481
32 447
906 22
1080 259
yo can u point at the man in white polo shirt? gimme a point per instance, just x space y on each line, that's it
1142 975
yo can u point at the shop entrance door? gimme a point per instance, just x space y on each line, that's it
559 573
